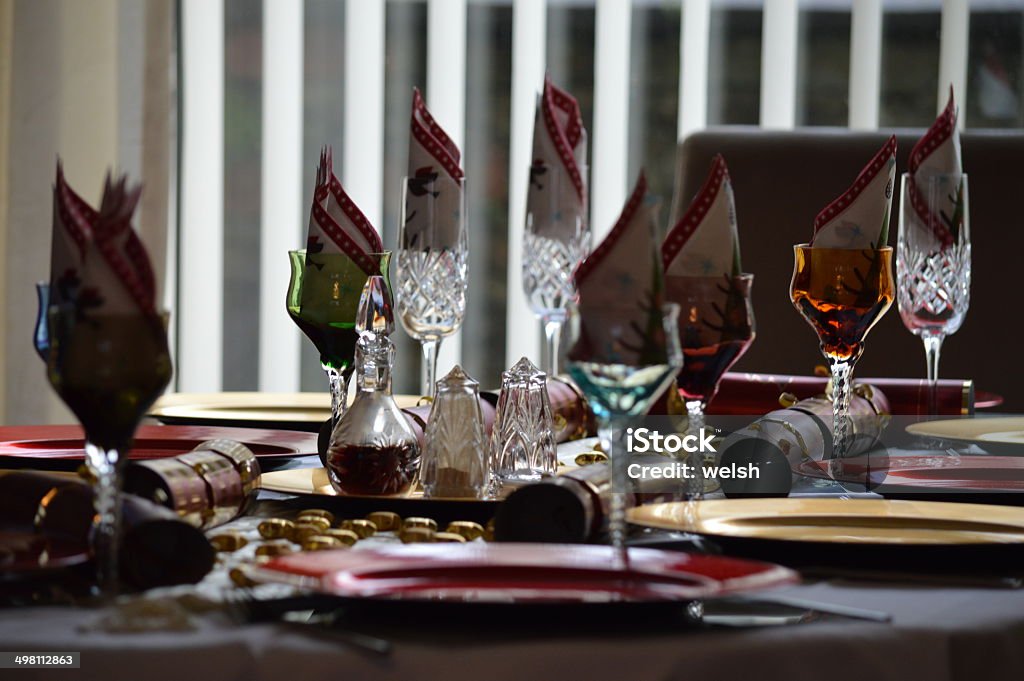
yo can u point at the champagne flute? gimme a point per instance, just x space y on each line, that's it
716 326
108 368
432 267
933 264
323 296
557 239
842 293
622 369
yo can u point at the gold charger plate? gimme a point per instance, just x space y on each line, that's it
840 521
313 489
1002 433
295 411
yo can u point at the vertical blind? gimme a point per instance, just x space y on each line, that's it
380 44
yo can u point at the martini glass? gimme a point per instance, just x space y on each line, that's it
108 368
323 297
842 293
622 369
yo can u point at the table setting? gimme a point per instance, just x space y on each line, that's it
510 524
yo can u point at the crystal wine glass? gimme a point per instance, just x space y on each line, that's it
557 239
323 297
933 263
108 368
622 368
842 293
716 326
432 265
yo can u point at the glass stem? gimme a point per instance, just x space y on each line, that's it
616 453
106 532
932 347
553 335
694 485
339 392
841 372
430 348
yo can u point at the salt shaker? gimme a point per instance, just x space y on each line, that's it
455 457
522 441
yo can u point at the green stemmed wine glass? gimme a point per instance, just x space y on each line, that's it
323 296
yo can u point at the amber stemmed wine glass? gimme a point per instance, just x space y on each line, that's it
108 368
323 297
841 293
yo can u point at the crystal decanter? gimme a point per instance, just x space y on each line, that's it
373 450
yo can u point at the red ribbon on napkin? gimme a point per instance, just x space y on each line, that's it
937 136
564 125
432 138
717 181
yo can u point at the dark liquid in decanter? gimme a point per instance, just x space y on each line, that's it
378 470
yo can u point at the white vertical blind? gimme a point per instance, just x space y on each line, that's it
529 21
694 48
363 148
201 255
865 64
446 98
778 63
609 184
280 190
953 53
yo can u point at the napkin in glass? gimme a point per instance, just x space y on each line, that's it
336 225
859 217
936 158
433 197
705 242
559 162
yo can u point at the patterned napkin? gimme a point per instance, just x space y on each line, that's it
937 155
557 190
433 198
336 225
859 218
622 274
97 261
705 243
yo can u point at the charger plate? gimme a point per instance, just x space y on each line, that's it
312 488
1000 434
506 580
853 532
289 411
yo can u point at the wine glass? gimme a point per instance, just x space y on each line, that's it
622 368
933 263
108 368
557 239
432 267
716 326
323 297
842 293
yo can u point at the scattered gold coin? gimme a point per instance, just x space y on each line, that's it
318 521
276 528
346 537
587 458
277 547
317 513
416 535
428 523
228 541
386 521
466 529
364 528
321 542
449 537
303 531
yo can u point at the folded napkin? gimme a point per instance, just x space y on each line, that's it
97 261
336 225
557 192
859 218
704 242
935 170
622 274
433 198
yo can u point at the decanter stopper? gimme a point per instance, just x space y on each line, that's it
455 457
375 321
522 441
